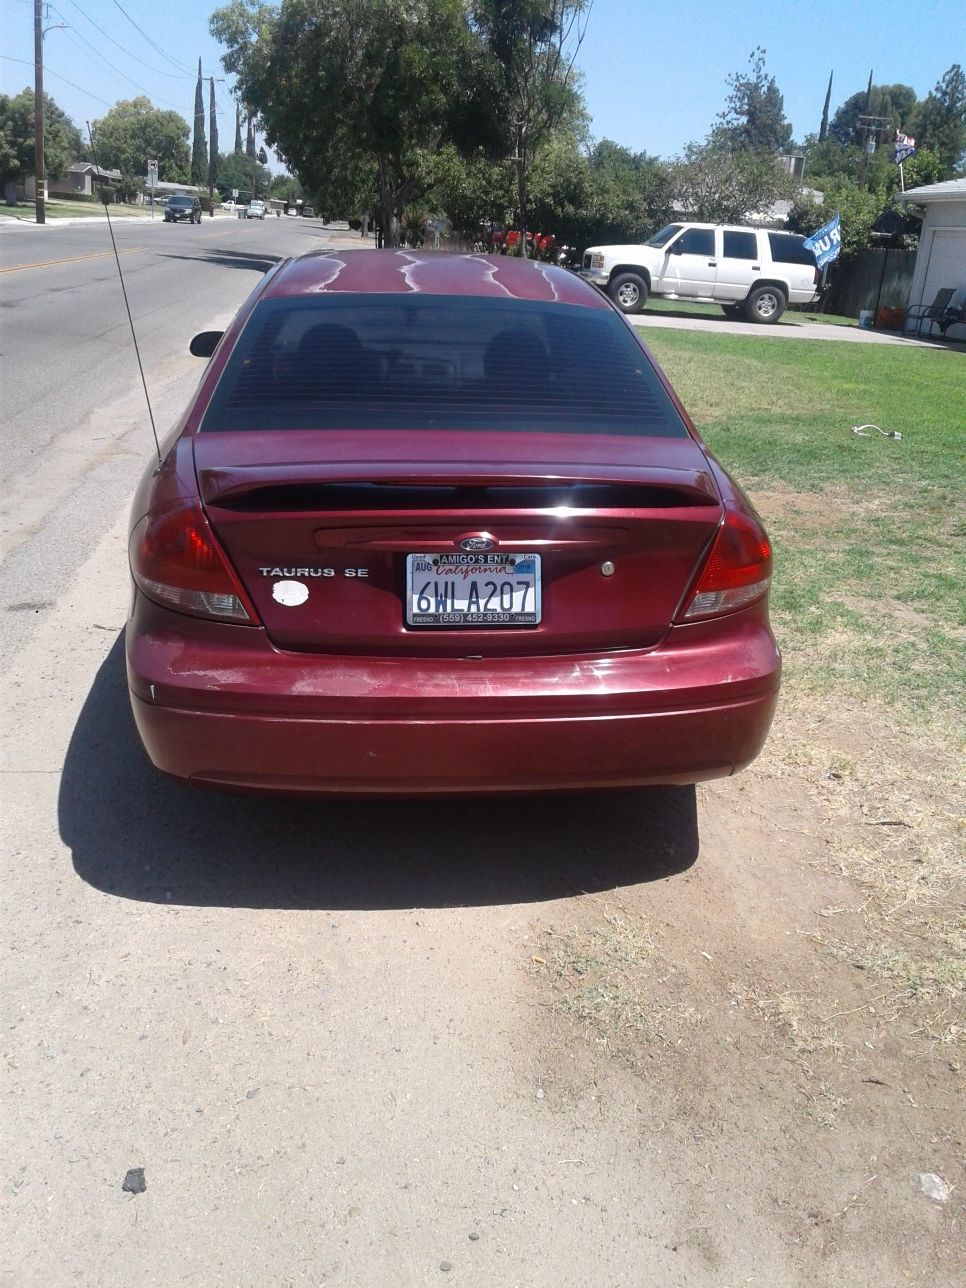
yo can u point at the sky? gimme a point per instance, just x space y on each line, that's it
654 71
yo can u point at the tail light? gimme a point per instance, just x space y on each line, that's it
176 561
737 570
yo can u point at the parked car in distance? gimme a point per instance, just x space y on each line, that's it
256 209
754 273
436 524
182 208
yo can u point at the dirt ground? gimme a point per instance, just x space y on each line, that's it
686 1039
782 1021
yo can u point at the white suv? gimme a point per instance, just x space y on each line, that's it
751 272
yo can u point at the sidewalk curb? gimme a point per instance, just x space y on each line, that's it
802 331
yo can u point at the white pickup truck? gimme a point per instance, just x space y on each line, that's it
753 273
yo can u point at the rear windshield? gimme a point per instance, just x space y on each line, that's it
787 249
439 362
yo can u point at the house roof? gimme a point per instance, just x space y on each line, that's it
87 167
951 190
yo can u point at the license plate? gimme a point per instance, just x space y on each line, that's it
473 590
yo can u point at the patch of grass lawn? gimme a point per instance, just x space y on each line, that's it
869 533
694 309
74 210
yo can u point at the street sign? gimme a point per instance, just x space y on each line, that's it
234 193
152 181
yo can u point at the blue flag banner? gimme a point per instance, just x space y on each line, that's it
827 242
905 147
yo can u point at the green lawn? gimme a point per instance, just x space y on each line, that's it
73 209
869 532
694 309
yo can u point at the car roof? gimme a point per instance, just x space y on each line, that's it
417 272
735 227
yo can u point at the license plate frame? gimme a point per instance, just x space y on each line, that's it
458 573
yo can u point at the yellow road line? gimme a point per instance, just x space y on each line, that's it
49 263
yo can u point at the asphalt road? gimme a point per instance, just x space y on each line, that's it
75 431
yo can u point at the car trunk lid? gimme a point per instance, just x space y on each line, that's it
322 530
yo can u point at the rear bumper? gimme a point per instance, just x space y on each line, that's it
218 705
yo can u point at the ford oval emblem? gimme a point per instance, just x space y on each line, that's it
477 543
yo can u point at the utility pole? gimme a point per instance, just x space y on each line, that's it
212 142
869 128
39 172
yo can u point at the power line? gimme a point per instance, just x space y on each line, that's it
48 72
157 70
114 68
154 45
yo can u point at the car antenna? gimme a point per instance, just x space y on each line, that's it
117 260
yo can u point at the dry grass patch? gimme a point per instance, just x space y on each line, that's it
891 816
609 980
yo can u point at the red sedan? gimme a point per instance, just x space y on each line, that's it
438 524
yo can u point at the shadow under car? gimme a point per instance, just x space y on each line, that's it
137 835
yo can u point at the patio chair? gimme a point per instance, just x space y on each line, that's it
939 311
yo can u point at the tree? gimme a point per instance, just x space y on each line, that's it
9 160
831 159
199 145
62 139
939 121
473 192
213 136
134 130
859 210
533 45
286 187
354 92
128 187
560 191
238 137
714 185
823 128
629 195
925 167
235 170
894 103
753 119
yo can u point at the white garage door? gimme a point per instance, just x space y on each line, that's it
946 267
947 262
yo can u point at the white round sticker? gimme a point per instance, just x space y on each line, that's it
290 593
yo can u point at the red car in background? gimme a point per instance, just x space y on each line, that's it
438 524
